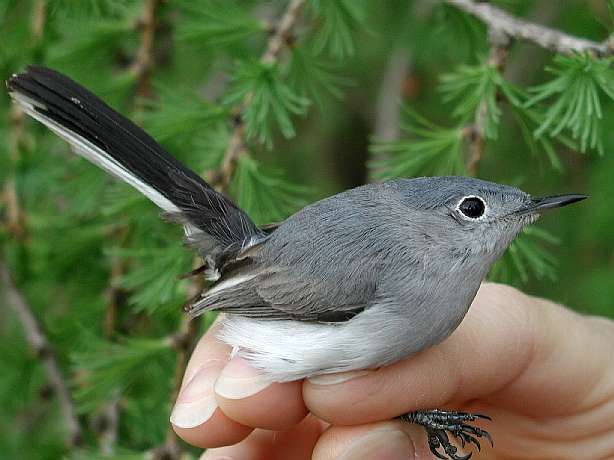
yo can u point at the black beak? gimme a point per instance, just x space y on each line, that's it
550 202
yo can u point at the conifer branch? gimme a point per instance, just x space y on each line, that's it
35 336
236 146
106 424
543 36
183 342
44 352
39 18
282 30
499 49
14 214
186 337
143 62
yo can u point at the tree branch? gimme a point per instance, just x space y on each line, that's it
39 17
143 62
183 342
106 426
543 36
220 178
15 217
282 31
499 49
40 345
185 339
106 423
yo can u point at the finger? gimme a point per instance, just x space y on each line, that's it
389 440
491 348
196 418
296 443
250 399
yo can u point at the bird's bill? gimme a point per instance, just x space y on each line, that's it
539 205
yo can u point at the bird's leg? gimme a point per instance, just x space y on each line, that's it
438 423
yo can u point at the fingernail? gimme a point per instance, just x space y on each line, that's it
209 454
239 380
333 379
196 400
380 445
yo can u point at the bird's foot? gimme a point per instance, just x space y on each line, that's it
438 423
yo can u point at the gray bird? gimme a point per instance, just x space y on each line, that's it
358 280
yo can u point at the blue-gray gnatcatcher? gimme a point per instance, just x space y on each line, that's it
358 280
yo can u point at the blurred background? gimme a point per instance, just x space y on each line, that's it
92 336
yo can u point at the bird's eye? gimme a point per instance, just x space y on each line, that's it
472 207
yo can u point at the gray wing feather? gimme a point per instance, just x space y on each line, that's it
322 264
274 295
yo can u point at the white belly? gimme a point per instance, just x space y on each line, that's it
292 350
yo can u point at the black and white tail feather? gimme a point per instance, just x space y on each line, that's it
214 225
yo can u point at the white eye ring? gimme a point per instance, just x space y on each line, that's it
462 212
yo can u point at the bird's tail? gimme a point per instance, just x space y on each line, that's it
114 143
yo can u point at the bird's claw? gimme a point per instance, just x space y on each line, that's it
439 423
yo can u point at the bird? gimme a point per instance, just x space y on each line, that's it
358 280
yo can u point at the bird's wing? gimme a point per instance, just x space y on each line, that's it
281 293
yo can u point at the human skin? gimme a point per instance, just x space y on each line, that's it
542 372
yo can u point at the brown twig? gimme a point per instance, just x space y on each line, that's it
38 341
543 36
282 31
220 178
15 219
143 62
15 215
499 49
106 424
42 348
185 340
141 69
39 17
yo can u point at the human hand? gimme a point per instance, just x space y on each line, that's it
542 372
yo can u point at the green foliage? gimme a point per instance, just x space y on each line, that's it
611 11
526 258
454 26
206 69
581 83
94 32
475 90
180 118
93 455
528 119
271 102
108 368
90 8
313 78
433 150
154 277
340 19
264 193
218 23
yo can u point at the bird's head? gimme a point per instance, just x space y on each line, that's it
472 219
